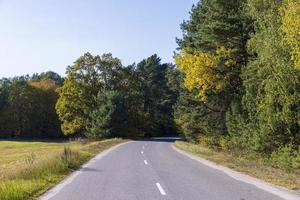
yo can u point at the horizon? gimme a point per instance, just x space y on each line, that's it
47 36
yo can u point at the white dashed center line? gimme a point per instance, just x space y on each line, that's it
145 161
161 190
142 152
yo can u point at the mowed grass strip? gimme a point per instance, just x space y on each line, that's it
252 166
28 169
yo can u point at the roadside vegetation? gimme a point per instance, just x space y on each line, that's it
240 88
27 169
253 165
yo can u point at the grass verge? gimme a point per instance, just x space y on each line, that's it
28 169
252 166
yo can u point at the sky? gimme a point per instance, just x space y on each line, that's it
43 35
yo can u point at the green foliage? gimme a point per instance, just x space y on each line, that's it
131 92
250 92
109 119
290 28
188 116
270 104
157 96
213 54
71 105
88 76
27 108
98 98
286 158
48 76
238 128
101 98
211 141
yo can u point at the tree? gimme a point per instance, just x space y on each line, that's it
5 85
110 118
130 88
19 107
290 27
44 120
4 92
157 98
89 76
213 53
201 72
272 98
48 76
188 115
28 108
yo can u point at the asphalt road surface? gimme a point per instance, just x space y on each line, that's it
153 170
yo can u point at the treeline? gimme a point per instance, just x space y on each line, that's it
27 106
240 87
99 97
102 98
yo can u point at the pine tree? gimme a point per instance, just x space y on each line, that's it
213 53
157 97
110 118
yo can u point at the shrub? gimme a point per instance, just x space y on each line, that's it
210 141
224 143
286 158
296 160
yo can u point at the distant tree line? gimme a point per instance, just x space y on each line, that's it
99 97
27 106
102 98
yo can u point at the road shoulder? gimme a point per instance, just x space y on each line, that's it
276 190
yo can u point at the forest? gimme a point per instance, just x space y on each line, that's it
234 86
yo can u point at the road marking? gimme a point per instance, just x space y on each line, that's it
145 161
161 190
142 152
143 147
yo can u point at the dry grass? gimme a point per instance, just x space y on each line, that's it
252 166
15 154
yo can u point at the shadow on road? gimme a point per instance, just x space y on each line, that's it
161 139
88 169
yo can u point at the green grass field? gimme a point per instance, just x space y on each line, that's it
29 168
255 167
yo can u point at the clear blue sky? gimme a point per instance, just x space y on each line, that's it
41 35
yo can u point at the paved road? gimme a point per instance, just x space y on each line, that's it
153 170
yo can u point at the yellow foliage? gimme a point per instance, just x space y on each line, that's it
291 28
200 71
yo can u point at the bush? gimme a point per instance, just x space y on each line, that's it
211 141
214 142
225 143
286 158
296 160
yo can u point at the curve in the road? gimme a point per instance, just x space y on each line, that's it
154 170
